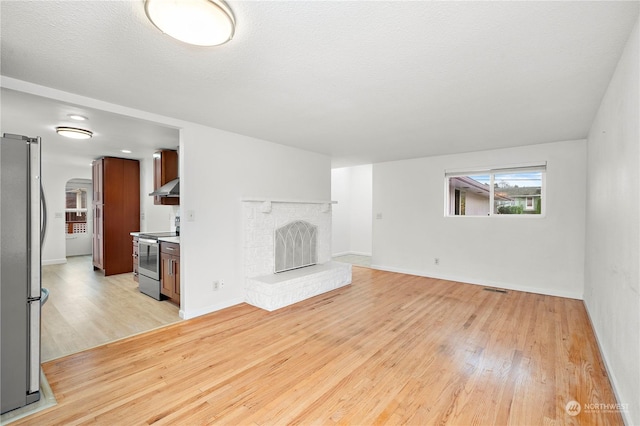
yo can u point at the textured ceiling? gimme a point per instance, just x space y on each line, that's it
361 81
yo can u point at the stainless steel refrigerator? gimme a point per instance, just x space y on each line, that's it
21 235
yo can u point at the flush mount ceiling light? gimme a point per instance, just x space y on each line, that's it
198 22
74 132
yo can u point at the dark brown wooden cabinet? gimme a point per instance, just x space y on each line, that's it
116 210
170 271
165 169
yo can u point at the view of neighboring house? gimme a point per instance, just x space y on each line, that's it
526 200
513 193
468 197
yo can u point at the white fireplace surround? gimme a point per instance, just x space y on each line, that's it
262 218
270 291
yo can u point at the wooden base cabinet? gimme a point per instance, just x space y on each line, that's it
135 259
116 213
170 270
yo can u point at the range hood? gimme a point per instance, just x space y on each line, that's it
169 189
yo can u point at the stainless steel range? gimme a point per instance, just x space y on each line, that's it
149 263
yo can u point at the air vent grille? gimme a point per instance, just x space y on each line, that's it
495 290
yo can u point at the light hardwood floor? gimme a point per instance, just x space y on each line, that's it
86 309
390 348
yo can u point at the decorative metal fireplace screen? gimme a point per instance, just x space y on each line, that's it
296 246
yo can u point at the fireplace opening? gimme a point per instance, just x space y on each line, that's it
295 246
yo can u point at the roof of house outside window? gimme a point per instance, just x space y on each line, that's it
519 192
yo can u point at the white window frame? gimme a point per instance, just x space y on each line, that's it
492 171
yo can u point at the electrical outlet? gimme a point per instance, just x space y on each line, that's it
216 285
436 261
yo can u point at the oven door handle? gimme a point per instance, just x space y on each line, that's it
146 241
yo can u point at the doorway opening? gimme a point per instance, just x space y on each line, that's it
352 216
78 217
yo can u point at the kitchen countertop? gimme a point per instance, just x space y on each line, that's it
170 239
175 239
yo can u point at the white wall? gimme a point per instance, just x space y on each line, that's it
538 254
612 268
352 188
219 169
341 211
361 209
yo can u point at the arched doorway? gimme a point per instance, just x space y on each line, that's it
78 217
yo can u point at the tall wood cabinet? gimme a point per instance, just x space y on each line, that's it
116 213
165 169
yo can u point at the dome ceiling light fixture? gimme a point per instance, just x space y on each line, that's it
197 22
77 117
74 132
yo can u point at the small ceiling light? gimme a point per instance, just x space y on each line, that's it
125 151
198 22
74 132
77 117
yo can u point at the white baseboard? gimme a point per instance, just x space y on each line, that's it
342 253
211 308
612 378
54 261
360 253
353 253
486 283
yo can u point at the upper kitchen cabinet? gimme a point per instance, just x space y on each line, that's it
116 213
165 169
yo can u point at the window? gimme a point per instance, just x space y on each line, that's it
496 191
529 205
76 211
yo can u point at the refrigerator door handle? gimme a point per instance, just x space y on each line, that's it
43 229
